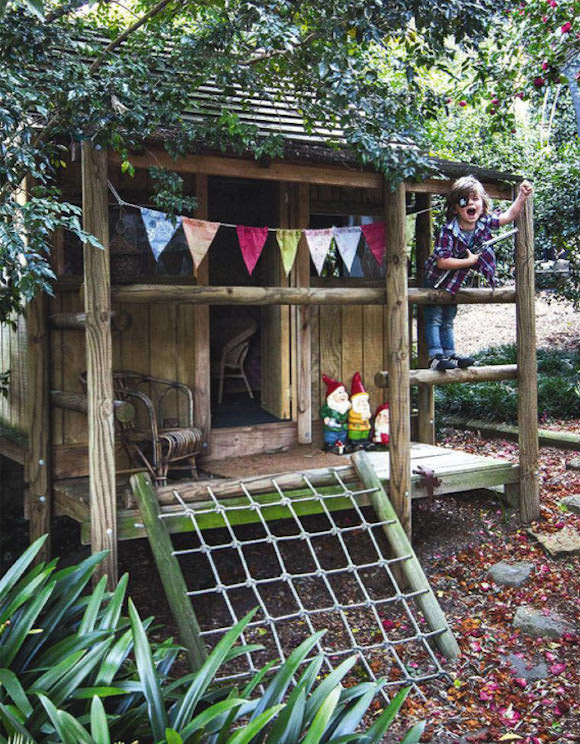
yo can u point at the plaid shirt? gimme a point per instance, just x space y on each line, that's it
451 244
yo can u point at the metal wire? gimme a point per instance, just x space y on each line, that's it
382 625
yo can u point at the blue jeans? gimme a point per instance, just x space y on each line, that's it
439 329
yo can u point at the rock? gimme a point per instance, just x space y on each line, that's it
573 464
564 542
510 574
540 624
531 672
572 503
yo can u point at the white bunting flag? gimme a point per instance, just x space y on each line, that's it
319 244
159 228
347 240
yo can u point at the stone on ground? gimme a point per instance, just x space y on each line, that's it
530 671
572 503
511 574
541 623
573 464
564 542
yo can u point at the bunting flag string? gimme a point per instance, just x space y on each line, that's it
347 240
200 234
288 243
252 240
319 244
159 228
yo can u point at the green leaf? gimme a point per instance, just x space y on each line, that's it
290 722
12 723
414 734
323 715
15 638
199 723
242 736
69 730
14 573
13 687
114 659
89 618
172 737
148 676
352 716
99 722
327 684
112 613
206 673
377 730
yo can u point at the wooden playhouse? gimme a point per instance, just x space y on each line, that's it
119 309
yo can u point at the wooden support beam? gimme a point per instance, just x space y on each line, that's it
402 548
123 410
527 365
443 186
424 245
398 355
471 374
304 334
97 300
298 295
37 474
201 339
120 321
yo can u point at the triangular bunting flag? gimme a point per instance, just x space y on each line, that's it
347 239
159 228
199 235
252 241
288 241
375 236
319 244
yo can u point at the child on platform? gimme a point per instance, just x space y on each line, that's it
458 249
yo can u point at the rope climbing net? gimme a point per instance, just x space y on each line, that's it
310 558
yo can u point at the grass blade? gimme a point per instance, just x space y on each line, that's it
290 722
15 690
112 613
15 637
148 675
242 736
377 730
12 576
99 723
89 618
327 684
414 734
199 723
322 717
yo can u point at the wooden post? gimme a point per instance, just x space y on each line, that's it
304 334
201 340
425 394
38 459
97 298
398 355
527 366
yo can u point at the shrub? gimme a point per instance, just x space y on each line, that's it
98 677
498 401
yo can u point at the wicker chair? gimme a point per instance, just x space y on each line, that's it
233 358
153 440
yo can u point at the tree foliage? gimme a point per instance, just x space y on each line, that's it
118 76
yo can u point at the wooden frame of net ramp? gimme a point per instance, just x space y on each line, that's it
309 557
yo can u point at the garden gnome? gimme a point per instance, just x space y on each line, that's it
359 416
334 415
381 434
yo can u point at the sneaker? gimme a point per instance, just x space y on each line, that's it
462 361
440 363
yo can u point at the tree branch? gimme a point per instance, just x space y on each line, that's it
281 52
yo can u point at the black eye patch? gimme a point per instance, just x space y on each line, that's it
462 201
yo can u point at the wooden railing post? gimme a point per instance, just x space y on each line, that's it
398 355
97 297
426 394
527 366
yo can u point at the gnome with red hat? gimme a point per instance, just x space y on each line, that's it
334 415
359 416
381 426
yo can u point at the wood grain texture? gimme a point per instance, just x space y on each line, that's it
303 324
424 245
201 328
398 355
99 362
527 365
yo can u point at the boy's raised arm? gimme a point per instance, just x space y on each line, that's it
514 210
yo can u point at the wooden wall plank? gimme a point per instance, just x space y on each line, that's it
352 343
163 359
56 369
97 296
315 362
330 343
201 339
372 352
74 362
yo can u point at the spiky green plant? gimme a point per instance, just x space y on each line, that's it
74 670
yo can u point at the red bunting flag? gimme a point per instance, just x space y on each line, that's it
252 241
375 236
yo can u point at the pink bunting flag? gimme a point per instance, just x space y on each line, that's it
375 236
199 235
347 240
319 245
252 241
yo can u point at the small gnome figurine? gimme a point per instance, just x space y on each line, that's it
334 415
359 416
381 433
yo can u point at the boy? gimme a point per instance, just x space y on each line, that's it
469 224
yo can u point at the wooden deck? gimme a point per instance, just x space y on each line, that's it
455 472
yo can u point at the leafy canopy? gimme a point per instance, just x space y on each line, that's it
118 76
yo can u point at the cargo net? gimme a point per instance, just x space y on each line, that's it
323 565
